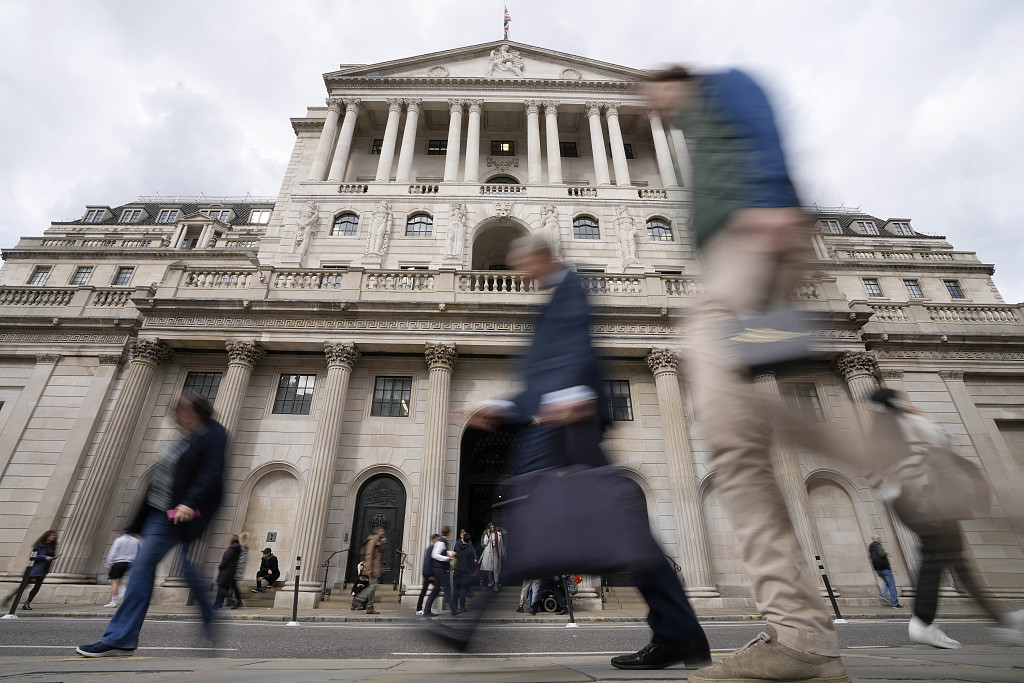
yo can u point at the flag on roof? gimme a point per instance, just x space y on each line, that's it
508 20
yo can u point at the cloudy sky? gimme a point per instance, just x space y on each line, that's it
903 108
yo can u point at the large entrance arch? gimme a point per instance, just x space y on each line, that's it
379 503
491 240
485 462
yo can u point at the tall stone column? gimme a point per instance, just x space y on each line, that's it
682 155
791 479
315 504
387 147
451 156
860 370
611 113
441 362
661 151
554 151
86 519
472 172
344 147
243 357
597 147
323 146
533 161
683 482
412 119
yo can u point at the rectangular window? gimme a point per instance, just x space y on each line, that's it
167 216
82 275
39 275
259 216
436 147
203 383
567 149
866 227
953 287
391 396
294 394
94 215
831 228
503 148
620 407
902 229
131 215
914 289
219 214
802 398
628 149
124 276
871 286
376 145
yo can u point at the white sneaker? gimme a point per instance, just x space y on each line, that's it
112 603
931 635
1011 629
419 613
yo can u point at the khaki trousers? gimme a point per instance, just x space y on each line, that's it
741 276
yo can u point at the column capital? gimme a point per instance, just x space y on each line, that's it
341 354
475 106
455 106
532 106
394 104
662 360
151 351
765 376
855 364
593 108
413 105
652 114
611 108
441 356
248 353
352 104
952 375
550 106
334 104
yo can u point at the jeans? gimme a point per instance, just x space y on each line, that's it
890 584
157 540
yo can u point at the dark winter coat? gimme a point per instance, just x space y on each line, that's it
228 565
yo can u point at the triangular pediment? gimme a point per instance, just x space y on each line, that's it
499 59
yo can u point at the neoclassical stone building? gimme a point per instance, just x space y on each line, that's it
340 327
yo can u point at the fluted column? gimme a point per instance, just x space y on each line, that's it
243 357
344 147
440 361
315 505
533 161
87 516
597 147
690 527
661 151
554 152
860 370
682 156
472 173
451 155
387 147
790 478
611 113
323 146
412 119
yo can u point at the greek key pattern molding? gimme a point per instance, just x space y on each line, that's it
915 354
63 338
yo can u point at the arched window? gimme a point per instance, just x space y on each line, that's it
502 180
345 225
659 230
419 225
585 228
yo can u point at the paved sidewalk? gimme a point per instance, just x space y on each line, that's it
976 664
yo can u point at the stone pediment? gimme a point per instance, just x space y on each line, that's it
499 59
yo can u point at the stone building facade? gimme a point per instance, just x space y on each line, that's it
340 327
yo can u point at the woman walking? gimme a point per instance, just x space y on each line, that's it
491 555
45 551
243 559
226 572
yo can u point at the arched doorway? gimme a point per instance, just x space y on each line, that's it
491 242
626 578
380 502
486 461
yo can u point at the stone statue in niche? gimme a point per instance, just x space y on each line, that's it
306 227
456 230
505 59
625 226
549 219
380 229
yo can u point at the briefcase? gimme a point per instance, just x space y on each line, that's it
771 339
588 520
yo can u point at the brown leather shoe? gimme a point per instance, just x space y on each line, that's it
371 610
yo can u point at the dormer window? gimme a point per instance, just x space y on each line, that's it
902 229
131 215
167 216
190 240
223 215
866 227
831 228
95 215
259 216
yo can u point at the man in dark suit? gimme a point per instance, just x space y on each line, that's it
563 411
181 500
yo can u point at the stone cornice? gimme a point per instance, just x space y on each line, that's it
345 84
133 254
906 268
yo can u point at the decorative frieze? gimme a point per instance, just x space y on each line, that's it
952 375
248 353
441 355
52 358
341 354
503 209
111 359
892 374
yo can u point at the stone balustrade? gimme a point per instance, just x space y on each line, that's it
399 281
611 284
219 279
35 296
111 297
942 318
353 188
982 313
654 193
495 281
419 188
906 255
502 190
305 279
71 302
581 191
891 314
676 285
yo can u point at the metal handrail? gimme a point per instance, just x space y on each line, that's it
326 564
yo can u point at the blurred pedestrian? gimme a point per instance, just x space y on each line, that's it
753 236
465 564
45 549
269 571
119 562
226 571
427 573
554 586
373 567
441 557
492 544
240 568
183 496
531 587
880 563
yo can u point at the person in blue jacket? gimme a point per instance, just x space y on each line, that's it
182 498
45 549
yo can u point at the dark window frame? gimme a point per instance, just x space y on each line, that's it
78 276
659 230
392 396
620 401
567 149
125 273
411 222
40 273
437 147
871 286
804 399
627 148
954 289
914 289
204 383
297 398
586 227
339 222
496 150
376 145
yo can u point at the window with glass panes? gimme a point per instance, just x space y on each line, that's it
628 149
831 228
902 229
872 287
376 145
503 148
39 275
954 289
82 274
131 215
437 147
203 383
294 394
124 276
167 216
567 149
345 225
659 230
419 225
391 396
620 407
866 227
585 228
94 215
259 216
914 289
802 397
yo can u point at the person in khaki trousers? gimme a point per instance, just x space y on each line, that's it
748 225
376 546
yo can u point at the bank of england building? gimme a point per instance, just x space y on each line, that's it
341 328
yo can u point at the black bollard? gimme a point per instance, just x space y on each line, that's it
568 602
828 587
295 600
21 587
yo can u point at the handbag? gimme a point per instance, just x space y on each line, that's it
591 520
775 337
